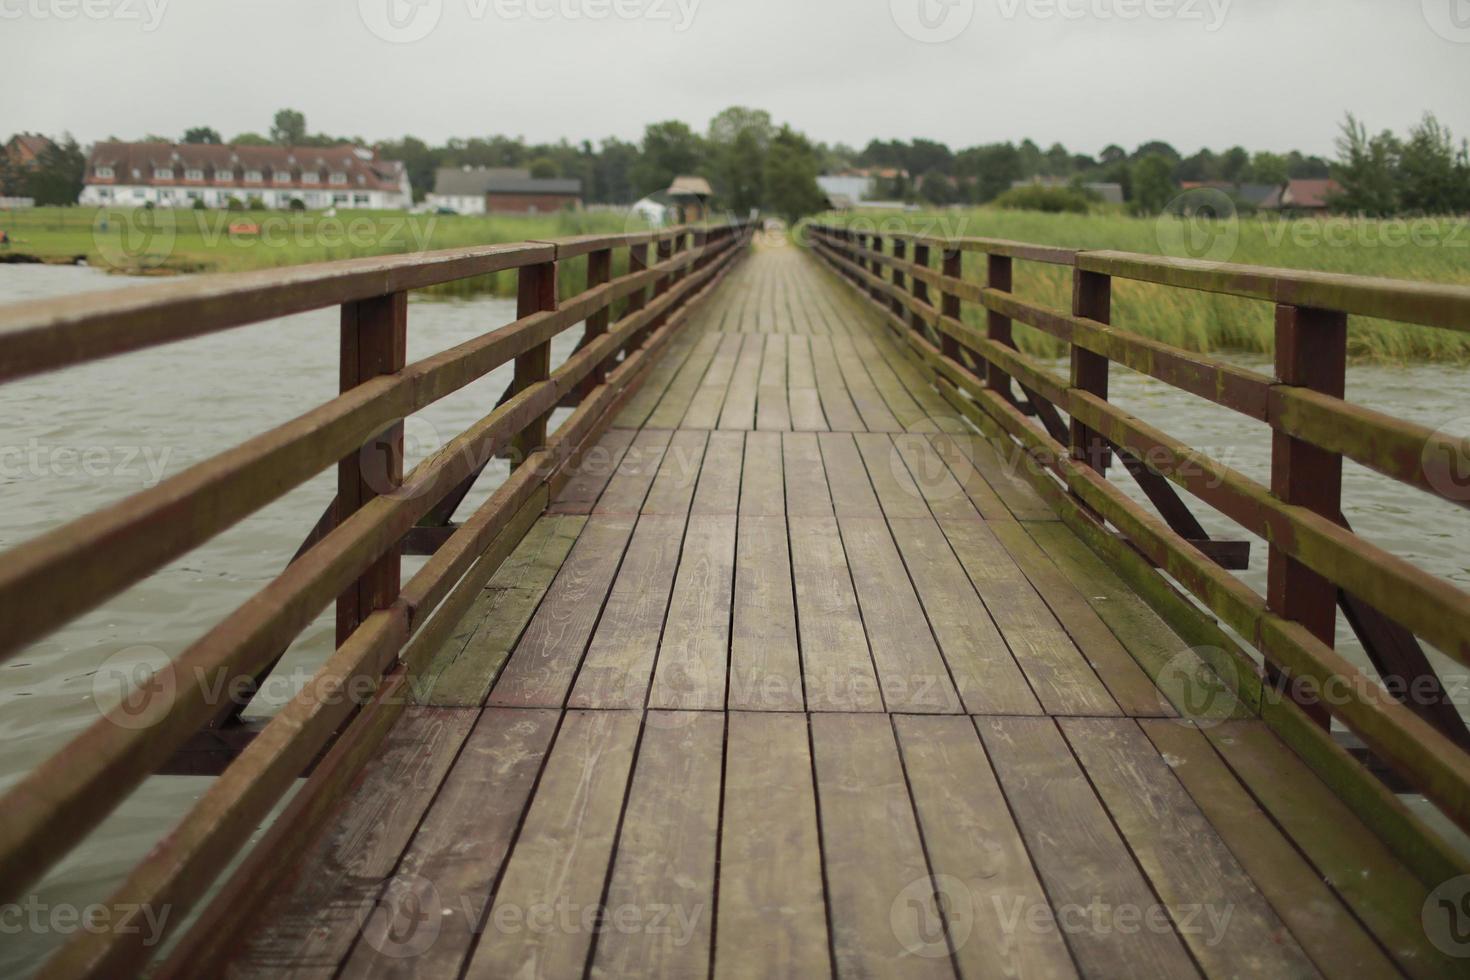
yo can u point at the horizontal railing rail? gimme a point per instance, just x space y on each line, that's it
386 630
1070 434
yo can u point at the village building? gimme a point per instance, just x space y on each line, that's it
182 175
502 190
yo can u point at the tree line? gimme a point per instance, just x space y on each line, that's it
752 162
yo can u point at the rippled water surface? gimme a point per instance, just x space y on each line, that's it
76 440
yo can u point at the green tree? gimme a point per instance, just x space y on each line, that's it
669 150
1366 170
1432 173
1268 168
543 168
202 134
250 139
738 141
791 176
56 178
289 128
1152 183
993 168
612 173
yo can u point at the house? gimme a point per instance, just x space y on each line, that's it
25 149
502 190
691 197
179 175
1251 197
848 186
1309 196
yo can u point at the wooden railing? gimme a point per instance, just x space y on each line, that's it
385 629
1316 562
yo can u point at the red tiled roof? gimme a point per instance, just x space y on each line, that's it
1309 193
135 163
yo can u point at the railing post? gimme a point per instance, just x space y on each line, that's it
536 293
374 343
1091 298
599 271
998 270
876 268
638 299
900 252
1311 352
919 288
953 267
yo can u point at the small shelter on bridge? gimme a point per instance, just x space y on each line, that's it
691 196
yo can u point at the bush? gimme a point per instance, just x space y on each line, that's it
1051 200
234 204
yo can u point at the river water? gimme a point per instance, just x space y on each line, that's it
79 439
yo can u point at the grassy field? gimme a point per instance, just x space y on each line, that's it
1427 250
137 242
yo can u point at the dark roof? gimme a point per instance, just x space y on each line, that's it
1259 195
533 185
472 181
363 169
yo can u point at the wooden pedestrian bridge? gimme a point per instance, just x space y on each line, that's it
829 635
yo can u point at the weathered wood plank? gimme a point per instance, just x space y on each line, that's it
704 407
693 656
773 406
738 411
1084 865
675 402
772 919
863 799
542 922
660 898
837 405
482 799
979 859
594 470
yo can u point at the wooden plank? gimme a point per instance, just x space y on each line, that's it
660 898
1228 925
1384 895
481 801
676 400
340 876
1082 861
545 661
972 456
593 472
765 663
806 402
683 350
738 411
718 492
542 922
911 670
773 407
865 395
772 916
634 475
1329 933
704 407
1131 688
463 671
979 860
693 654
673 488
837 405
863 799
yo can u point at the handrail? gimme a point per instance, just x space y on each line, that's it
384 630
1316 560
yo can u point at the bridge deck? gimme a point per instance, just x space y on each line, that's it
799 645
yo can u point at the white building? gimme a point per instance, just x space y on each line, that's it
179 175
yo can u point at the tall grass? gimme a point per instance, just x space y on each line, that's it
162 242
1424 250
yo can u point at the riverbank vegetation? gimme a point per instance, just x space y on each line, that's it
1421 249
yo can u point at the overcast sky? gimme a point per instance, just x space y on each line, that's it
1267 74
